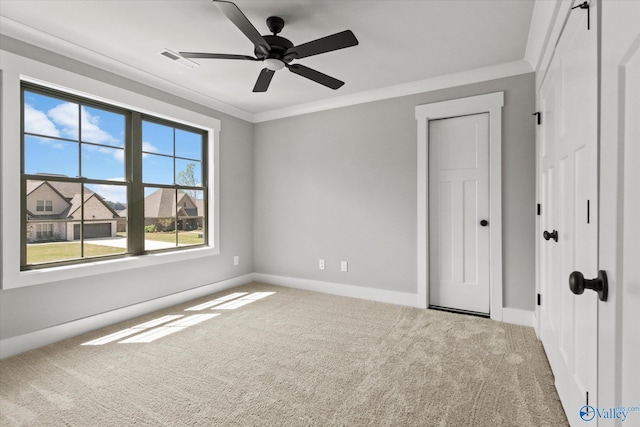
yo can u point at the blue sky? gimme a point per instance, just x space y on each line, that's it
56 150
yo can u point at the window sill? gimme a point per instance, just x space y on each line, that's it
69 272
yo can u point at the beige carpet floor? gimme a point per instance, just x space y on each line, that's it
293 358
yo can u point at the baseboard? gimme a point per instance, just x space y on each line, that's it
536 324
21 343
372 294
509 315
518 317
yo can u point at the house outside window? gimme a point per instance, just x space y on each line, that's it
116 182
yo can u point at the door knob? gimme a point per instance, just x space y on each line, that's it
577 284
548 236
484 223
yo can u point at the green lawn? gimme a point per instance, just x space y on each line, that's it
49 252
184 237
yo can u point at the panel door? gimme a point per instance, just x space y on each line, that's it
619 238
568 322
458 202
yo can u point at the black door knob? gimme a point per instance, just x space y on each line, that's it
548 236
484 223
577 284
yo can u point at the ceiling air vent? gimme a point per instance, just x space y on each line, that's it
179 59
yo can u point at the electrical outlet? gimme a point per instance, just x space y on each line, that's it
236 260
344 266
321 264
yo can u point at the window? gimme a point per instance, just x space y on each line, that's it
44 231
44 205
172 175
123 183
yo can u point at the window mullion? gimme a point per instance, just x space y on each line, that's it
81 220
135 210
23 188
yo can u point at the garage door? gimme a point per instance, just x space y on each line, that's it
91 231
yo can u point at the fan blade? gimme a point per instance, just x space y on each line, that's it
262 84
216 56
235 15
316 76
325 44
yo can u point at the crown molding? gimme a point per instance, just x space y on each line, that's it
427 85
26 34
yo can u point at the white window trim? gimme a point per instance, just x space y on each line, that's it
491 103
16 69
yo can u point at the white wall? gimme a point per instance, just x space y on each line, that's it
36 307
341 185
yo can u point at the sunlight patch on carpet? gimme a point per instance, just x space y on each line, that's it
157 328
216 301
168 329
159 321
134 330
173 327
248 299
113 337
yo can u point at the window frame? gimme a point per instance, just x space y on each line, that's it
175 186
130 95
133 181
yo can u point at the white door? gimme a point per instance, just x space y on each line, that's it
459 213
569 171
619 241
629 301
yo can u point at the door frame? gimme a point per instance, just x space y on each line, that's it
491 103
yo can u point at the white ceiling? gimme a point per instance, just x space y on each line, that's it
401 41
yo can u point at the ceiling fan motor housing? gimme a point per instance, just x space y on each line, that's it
278 46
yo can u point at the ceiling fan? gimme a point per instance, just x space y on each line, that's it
277 52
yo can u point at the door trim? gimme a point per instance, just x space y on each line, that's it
491 103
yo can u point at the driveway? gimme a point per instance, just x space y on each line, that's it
121 242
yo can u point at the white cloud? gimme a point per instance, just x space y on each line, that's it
118 155
66 116
113 193
91 130
149 148
36 121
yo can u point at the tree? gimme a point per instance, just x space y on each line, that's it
187 177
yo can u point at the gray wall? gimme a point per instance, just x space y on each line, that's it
341 185
31 308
